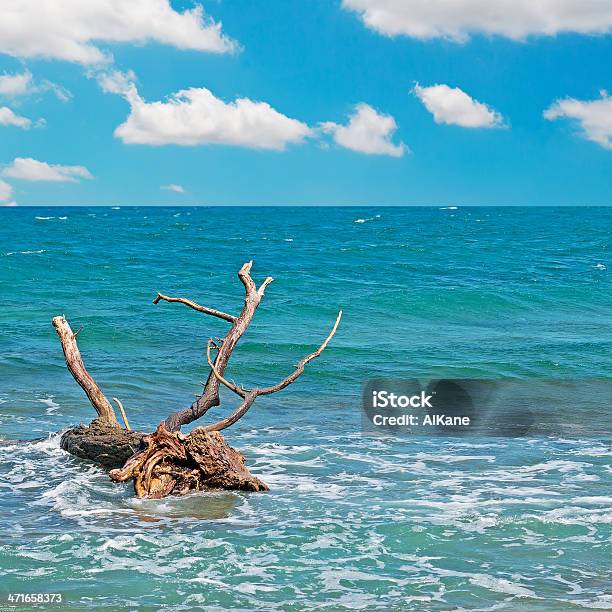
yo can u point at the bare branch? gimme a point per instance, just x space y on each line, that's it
75 364
209 311
224 348
124 416
249 398
210 395
263 286
244 274
299 369
235 388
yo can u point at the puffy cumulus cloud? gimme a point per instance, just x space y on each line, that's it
69 29
197 117
28 169
8 117
367 131
458 19
594 117
174 187
453 106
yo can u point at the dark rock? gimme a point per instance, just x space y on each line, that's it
105 444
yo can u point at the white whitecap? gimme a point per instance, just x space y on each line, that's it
25 252
52 406
500 585
366 219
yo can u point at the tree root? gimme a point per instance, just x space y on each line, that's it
174 464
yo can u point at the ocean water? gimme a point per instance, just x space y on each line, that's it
351 522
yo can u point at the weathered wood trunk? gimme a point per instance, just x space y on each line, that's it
168 462
162 463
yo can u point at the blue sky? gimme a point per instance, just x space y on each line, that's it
482 139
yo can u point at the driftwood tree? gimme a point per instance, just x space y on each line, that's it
167 462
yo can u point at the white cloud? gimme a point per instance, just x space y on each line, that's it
28 169
15 84
594 117
453 106
366 132
69 29
8 117
6 191
115 81
458 19
196 117
174 187
22 84
60 92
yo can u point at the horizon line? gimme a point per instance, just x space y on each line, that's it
309 205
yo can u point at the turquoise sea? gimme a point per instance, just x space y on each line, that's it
351 522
